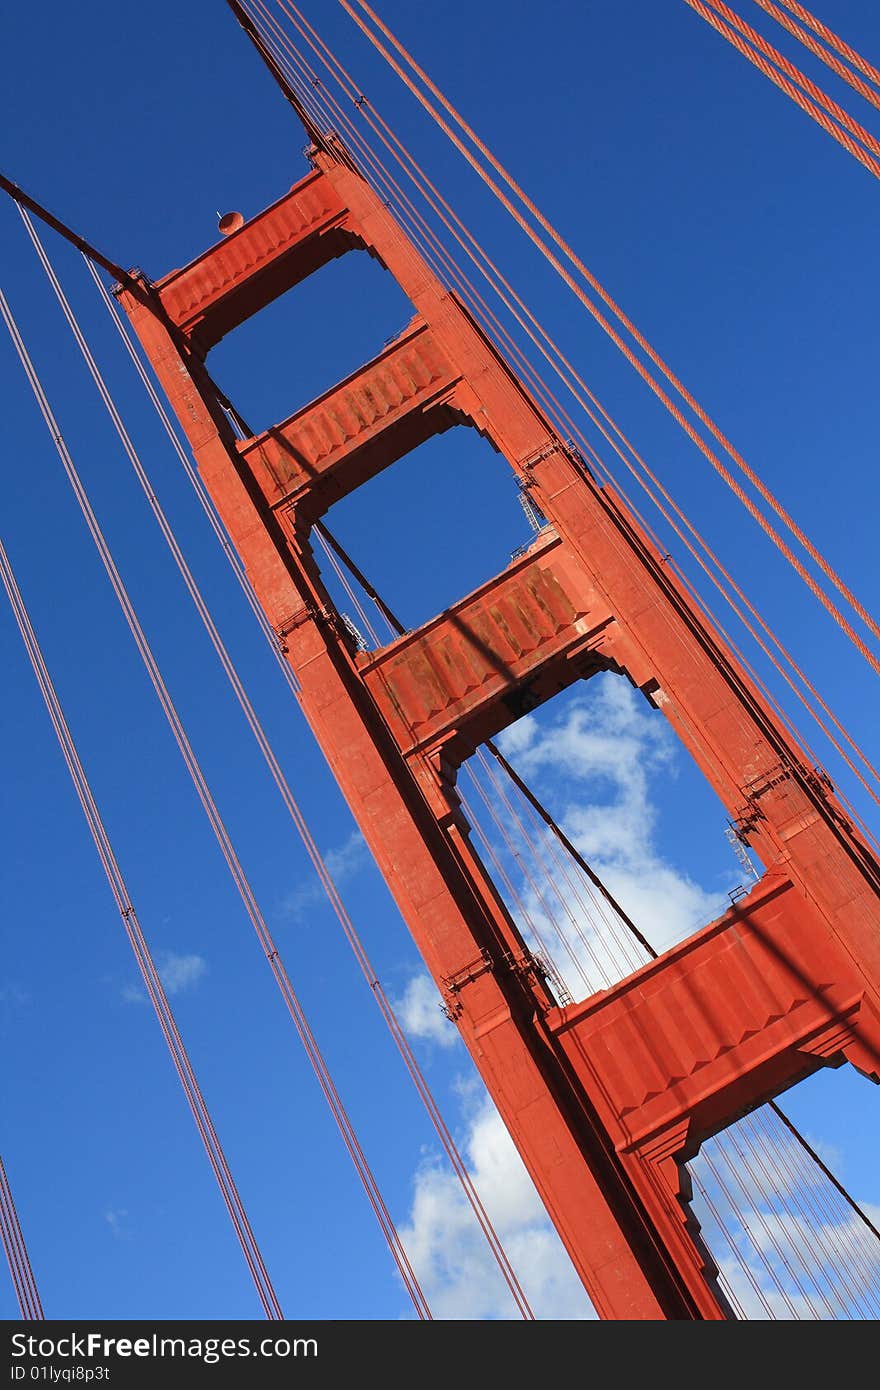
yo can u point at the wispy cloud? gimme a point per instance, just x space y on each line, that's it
420 1011
343 863
458 1274
181 972
599 761
116 1218
177 972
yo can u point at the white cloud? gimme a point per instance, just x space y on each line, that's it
116 1220
449 1253
177 973
181 972
799 1251
420 1011
598 761
343 862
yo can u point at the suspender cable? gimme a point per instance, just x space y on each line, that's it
487 268
766 49
685 424
832 39
402 1043
23 1280
789 79
313 1052
149 973
864 89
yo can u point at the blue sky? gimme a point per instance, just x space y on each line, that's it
743 242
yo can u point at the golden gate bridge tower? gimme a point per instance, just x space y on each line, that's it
606 1097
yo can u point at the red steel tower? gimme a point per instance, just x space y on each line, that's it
608 1097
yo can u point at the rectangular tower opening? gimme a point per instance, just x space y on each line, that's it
786 1242
296 348
613 776
427 531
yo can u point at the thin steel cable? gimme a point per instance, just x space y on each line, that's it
834 41
748 1160
149 973
17 1256
252 908
347 586
715 1157
530 844
864 89
812 1198
791 89
534 886
516 899
820 97
196 483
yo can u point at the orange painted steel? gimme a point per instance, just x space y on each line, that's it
608 1097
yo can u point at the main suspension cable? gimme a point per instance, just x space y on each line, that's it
833 40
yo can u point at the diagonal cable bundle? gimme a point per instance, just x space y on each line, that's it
17 1257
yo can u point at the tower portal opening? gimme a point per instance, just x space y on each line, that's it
293 349
614 778
427 530
787 1243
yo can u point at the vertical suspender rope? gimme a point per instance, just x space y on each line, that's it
864 89
146 965
789 79
20 1268
833 41
307 1038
